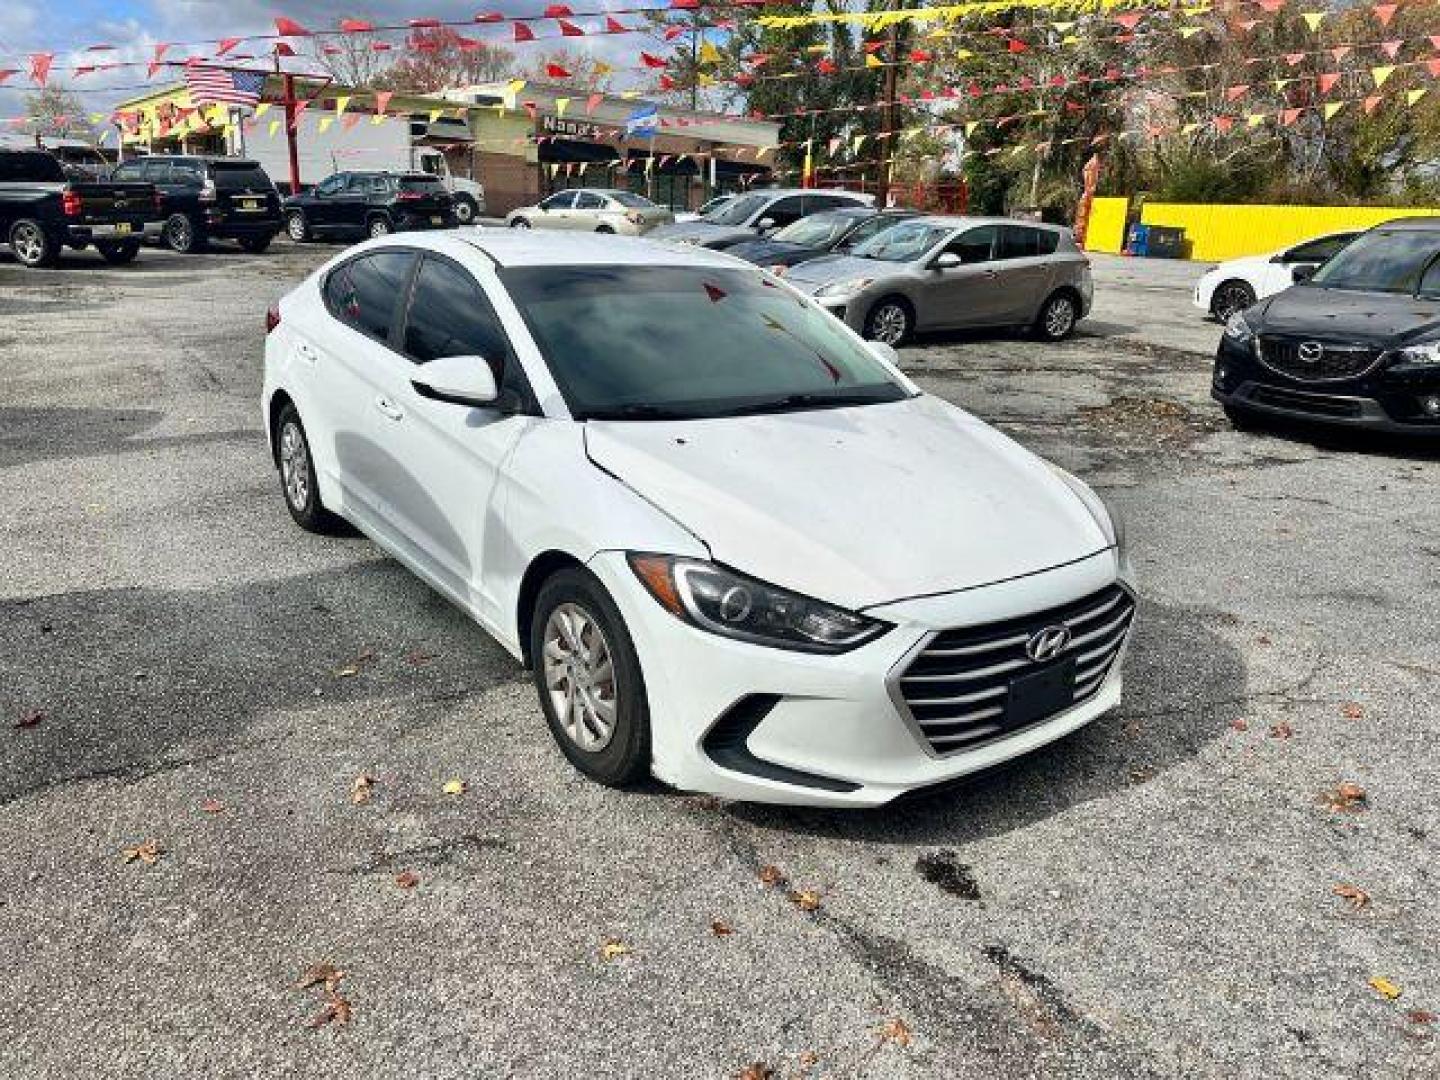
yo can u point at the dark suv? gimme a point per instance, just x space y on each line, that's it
1357 343
369 204
210 198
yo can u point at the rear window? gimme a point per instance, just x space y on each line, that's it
635 202
32 167
364 292
1020 242
235 176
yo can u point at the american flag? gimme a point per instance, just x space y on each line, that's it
218 86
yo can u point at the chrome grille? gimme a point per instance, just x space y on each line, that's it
1316 361
957 687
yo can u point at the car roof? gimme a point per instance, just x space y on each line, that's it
1411 224
535 247
956 221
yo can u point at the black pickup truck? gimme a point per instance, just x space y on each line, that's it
41 212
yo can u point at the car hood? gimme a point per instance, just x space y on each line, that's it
773 252
858 506
810 275
698 229
1367 318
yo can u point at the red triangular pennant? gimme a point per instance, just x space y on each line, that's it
523 32
289 27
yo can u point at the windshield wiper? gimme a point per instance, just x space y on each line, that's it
638 411
801 402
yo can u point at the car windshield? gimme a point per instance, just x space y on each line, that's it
635 202
715 204
905 242
690 342
1381 261
232 176
816 230
738 211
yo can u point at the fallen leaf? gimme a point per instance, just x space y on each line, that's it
1352 710
407 879
316 974
805 899
1421 1016
757 1070
895 1030
1349 797
1384 987
347 672
771 875
1239 725
614 948
29 719
455 787
1281 730
360 790
212 806
1263 639
1357 896
720 928
337 1010
148 853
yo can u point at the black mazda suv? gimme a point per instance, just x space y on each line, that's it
1356 344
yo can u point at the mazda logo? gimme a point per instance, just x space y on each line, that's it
1048 643
1311 352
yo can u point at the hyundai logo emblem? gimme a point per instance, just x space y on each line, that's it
1048 643
1311 352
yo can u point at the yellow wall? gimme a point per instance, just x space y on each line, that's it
1224 232
1106 231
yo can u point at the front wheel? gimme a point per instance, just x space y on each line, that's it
1231 297
118 254
890 322
465 210
520 223
297 476
589 680
1057 318
181 235
32 245
379 226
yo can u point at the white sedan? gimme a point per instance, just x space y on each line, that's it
592 210
738 548
1236 285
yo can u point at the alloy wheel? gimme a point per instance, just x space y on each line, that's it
179 233
295 467
889 324
520 223
464 211
1230 299
28 243
1059 317
295 227
580 677
379 227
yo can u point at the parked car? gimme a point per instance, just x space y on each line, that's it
758 213
736 546
1357 344
708 207
369 204
42 212
210 198
1236 284
838 231
945 273
600 210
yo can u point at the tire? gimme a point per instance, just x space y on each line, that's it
297 476
520 223
605 229
33 246
616 757
255 245
1229 297
297 228
378 226
1240 419
182 235
1057 318
118 254
465 210
891 321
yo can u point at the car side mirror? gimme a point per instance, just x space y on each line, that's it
885 352
1302 272
458 380
946 260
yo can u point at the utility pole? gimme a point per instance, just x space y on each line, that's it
887 138
289 83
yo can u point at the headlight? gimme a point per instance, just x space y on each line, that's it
734 606
1425 353
1237 329
843 288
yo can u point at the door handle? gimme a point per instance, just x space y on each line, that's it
389 409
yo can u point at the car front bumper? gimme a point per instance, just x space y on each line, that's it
1388 399
769 725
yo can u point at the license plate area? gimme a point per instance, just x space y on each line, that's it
249 204
436 219
122 228
1040 694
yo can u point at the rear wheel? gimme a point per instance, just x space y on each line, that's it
379 226
1231 297
182 235
890 322
296 227
604 229
297 476
32 245
255 244
117 254
465 210
589 680
520 223
1057 318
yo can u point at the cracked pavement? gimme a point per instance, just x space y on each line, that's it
1151 897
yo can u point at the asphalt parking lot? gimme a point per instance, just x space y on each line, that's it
1153 896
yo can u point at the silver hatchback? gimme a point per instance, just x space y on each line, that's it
947 273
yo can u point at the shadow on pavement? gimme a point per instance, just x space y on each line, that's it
29 435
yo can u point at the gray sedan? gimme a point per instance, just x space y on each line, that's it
946 273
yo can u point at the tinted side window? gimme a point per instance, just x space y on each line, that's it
130 172
156 171
589 201
1049 241
364 292
239 175
450 316
973 246
30 167
784 211
560 201
186 173
1018 242
1317 250
1430 281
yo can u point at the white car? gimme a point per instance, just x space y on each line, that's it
1236 284
592 210
706 208
739 549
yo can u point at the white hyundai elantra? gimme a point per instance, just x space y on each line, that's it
738 548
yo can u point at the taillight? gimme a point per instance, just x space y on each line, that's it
272 316
635 217
71 204
409 196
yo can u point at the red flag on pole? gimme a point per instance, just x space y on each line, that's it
555 71
523 32
652 61
569 29
40 67
289 27
355 26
